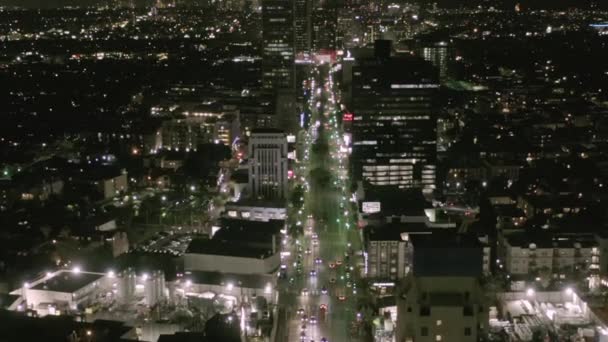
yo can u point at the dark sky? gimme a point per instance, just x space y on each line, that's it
507 4
49 3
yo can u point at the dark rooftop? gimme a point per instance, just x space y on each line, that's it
266 130
397 202
67 281
227 248
393 231
189 336
550 240
447 255
241 226
18 327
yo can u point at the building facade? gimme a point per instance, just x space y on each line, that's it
442 309
395 120
557 256
268 164
278 44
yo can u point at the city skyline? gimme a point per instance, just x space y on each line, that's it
303 171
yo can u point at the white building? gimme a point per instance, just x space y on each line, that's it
230 257
268 164
256 210
560 256
111 185
242 288
62 290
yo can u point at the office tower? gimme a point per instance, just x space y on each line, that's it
324 27
278 44
395 121
302 27
439 54
268 164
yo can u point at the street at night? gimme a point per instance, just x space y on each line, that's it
303 171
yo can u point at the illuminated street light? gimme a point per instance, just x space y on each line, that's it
530 292
76 269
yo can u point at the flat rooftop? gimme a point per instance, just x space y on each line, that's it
252 281
67 281
255 202
227 248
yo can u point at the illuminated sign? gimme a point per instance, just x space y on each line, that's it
371 207
291 138
290 174
348 117
383 284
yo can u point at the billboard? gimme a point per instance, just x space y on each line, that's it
370 207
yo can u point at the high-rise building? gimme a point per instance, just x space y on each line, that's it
278 44
268 164
439 54
395 120
324 27
302 27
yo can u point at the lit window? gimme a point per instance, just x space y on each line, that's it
438 322
437 337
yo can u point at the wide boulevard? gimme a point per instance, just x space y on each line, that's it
318 292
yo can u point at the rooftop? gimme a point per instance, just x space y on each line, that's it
18 327
266 130
252 281
393 231
227 248
254 202
68 281
393 202
550 240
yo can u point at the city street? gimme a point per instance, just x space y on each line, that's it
319 295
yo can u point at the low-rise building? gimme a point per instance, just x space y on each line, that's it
230 257
443 299
237 246
525 254
61 290
390 248
256 210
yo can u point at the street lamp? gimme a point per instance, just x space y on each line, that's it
530 292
